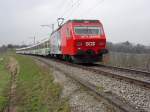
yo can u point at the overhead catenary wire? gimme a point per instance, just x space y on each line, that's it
69 7
74 7
62 4
89 10
63 8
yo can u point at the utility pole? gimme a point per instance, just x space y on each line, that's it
33 39
52 27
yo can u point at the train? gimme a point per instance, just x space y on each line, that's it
79 41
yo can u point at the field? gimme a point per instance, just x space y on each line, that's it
137 61
34 89
4 83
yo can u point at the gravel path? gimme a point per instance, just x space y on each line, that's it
136 95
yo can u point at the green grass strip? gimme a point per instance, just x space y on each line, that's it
4 83
36 91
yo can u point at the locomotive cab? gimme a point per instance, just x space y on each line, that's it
89 41
82 41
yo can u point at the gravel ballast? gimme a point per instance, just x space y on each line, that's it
134 94
79 99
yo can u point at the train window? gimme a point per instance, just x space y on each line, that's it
68 33
43 45
48 44
88 30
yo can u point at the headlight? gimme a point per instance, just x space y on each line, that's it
79 43
101 43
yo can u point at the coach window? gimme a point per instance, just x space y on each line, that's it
47 44
68 33
43 45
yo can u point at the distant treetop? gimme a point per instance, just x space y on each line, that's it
128 47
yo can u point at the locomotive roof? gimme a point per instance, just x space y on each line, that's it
76 20
82 20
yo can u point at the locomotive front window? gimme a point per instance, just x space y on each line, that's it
88 30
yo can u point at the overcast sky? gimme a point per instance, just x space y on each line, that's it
123 20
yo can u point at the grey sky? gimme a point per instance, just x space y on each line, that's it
123 20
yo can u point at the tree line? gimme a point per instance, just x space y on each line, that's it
124 47
5 48
127 47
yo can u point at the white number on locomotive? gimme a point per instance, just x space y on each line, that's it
90 43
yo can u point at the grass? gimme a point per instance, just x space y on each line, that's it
137 61
4 83
36 91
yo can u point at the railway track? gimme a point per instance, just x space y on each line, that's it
137 77
134 71
141 78
108 96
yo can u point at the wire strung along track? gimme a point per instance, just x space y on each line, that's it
110 97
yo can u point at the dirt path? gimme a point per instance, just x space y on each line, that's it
14 70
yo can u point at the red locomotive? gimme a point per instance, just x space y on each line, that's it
81 41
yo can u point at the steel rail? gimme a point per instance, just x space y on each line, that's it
146 73
108 96
134 80
143 83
